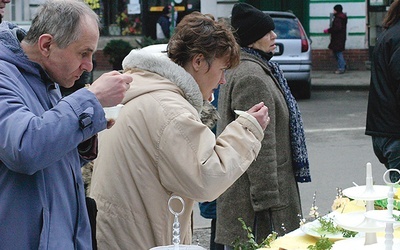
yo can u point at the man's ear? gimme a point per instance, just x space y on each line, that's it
45 42
197 61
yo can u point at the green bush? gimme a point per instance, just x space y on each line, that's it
117 50
146 41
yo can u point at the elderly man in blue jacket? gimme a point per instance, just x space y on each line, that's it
45 139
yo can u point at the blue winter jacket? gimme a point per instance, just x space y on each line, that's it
42 200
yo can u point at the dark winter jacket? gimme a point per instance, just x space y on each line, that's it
383 114
164 23
338 32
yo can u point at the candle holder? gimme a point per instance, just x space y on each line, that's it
386 215
370 221
176 229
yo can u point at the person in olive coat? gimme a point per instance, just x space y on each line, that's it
266 196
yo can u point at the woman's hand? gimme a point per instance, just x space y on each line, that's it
260 112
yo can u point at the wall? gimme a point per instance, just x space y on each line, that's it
102 61
319 12
219 9
356 11
356 53
356 59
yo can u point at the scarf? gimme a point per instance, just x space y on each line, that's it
297 136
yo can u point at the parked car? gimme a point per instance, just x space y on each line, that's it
293 52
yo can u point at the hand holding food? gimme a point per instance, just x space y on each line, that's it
260 112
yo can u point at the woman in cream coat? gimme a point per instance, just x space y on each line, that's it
159 147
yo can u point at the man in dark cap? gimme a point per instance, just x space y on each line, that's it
266 196
163 23
338 37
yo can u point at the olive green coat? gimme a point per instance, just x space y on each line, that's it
268 188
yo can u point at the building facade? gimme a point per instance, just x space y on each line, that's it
132 19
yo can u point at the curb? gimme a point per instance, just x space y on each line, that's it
351 80
319 87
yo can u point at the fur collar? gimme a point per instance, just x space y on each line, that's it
159 63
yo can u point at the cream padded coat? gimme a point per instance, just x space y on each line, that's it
159 147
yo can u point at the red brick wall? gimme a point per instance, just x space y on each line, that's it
356 59
323 59
102 61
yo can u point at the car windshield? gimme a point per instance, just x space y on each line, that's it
286 28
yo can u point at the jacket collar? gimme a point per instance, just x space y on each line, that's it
160 64
10 38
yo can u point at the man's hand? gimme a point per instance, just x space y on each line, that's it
110 88
110 123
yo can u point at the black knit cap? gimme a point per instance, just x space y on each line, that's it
250 23
338 8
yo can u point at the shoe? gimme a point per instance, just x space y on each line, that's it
339 72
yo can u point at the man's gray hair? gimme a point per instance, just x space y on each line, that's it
62 19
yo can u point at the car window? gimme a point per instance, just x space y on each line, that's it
286 28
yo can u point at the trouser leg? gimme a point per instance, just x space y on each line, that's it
387 150
340 60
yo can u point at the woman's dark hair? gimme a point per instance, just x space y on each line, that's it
197 34
392 15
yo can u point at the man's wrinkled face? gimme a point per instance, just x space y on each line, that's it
66 65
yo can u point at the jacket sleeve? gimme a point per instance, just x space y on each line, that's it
247 90
202 167
337 25
88 149
392 52
36 135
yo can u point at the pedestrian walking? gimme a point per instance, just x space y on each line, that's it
164 23
338 31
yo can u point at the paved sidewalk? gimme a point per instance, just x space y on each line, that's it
352 80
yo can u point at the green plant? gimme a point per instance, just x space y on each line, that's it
327 226
117 50
321 244
146 41
130 24
251 244
382 204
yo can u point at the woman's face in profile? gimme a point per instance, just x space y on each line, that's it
208 77
266 43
